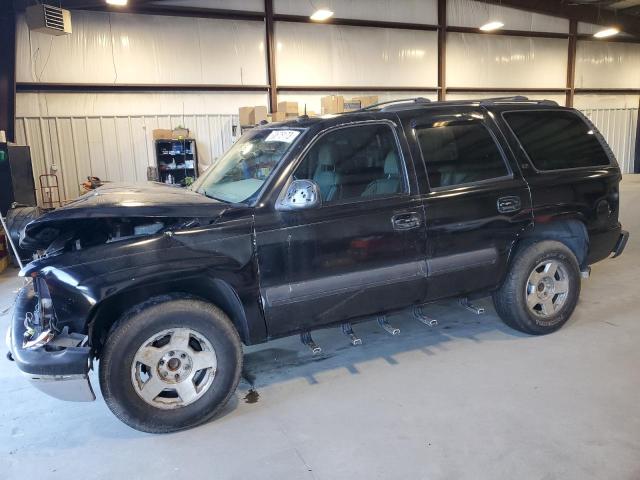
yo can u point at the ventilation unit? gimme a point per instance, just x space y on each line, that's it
49 19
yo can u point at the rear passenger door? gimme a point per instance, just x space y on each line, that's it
476 201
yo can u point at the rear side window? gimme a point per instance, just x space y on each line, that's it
555 140
460 153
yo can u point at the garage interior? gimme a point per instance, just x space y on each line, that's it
469 398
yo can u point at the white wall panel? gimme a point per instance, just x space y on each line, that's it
619 127
596 102
560 99
123 104
110 135
476 60
607 65
312 99
125 48
470 13
337 55
408 11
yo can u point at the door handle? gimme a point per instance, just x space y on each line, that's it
406 221
509 204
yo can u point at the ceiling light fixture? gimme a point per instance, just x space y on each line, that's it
607 32
491 26
119 3
321 15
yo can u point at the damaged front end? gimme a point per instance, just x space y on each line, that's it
56 361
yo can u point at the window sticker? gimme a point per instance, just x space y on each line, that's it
286 136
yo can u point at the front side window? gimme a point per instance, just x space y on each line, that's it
242 170
555 140
355 163
459 153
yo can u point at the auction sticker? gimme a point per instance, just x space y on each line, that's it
286 136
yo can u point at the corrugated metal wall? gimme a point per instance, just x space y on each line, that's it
114 148
619 126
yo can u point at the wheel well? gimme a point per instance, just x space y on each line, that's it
571 232
215 291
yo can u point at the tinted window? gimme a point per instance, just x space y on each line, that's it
459 153
354 163
555 139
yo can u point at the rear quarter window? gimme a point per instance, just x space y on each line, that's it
557 140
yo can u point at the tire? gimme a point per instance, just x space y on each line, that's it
168 319
531 299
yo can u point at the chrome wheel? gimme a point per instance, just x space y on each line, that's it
547 288
173 368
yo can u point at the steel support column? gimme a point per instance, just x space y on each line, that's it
442 49
271 59
8 71
571 62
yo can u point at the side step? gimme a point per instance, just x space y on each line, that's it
382 321
347 329
306 339
464 302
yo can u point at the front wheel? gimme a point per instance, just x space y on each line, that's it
541 289
170 364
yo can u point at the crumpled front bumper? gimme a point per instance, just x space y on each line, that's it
61 372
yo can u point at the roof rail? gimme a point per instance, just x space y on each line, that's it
515 98
391 102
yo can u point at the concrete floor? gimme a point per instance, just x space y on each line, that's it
470 399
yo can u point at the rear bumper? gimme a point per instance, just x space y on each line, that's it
61 372
620 244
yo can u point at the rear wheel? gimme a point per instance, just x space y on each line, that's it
541 289
170 364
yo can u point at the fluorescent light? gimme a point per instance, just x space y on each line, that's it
117 2
488 27
607 32
321 15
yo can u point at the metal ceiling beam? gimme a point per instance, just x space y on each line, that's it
582 13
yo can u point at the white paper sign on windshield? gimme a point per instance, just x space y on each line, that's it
286 136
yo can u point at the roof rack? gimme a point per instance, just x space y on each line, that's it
392 102
515 98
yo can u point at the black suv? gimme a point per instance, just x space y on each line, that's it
312 223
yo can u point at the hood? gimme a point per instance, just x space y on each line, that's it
136 200
119 210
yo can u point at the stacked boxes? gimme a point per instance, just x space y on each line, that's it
250 116
332 104
338 104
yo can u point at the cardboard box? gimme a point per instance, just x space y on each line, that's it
245 114
292 116
279 116
332 104
162 134
352 105
258 115
180 133
288 107
366 100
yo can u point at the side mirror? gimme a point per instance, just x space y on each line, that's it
300 194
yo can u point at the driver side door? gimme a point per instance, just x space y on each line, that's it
362 251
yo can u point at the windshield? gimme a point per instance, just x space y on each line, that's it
241 171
